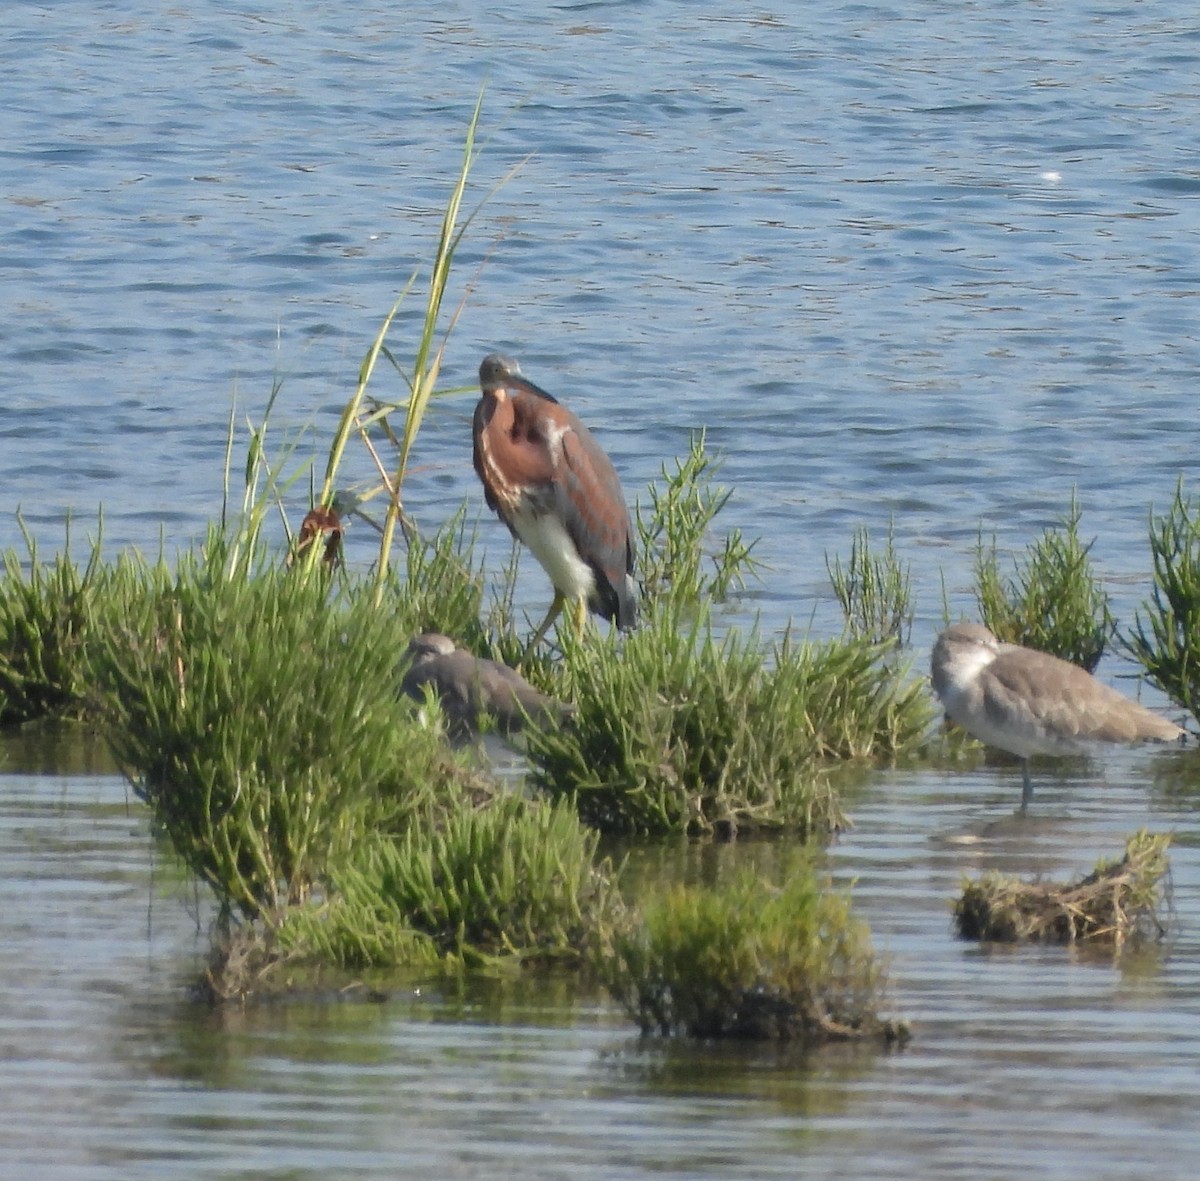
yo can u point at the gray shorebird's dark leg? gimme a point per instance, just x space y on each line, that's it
1026 786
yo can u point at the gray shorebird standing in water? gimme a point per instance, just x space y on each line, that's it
1031 703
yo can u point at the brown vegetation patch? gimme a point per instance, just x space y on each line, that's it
1117 901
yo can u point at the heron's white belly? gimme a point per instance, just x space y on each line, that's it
544 534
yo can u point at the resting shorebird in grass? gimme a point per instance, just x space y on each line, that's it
1031 703
552 485
470 687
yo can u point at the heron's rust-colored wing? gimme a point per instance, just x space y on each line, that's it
593 509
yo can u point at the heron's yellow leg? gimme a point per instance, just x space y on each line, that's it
538 636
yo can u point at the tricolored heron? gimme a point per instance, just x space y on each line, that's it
552 485
470 686
1031 703
321 522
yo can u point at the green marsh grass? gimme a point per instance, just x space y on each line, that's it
261 721
682 731
874 590
1053 601
47 614
442 587
1166 639
674 555
749 960
513 880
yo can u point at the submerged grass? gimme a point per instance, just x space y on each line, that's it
750 961
1116 902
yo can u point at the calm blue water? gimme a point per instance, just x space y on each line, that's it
924 262
931 262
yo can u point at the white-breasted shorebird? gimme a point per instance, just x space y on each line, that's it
1031 703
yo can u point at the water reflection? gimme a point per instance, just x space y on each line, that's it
54 748
657 865
799 1081
1176 781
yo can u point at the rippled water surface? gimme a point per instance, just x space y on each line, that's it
925 263
1030 1062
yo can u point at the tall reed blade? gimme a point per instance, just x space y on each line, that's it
428 361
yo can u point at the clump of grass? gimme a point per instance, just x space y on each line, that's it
263 724
514 880
750 961
1053 601
875 591
1167 644
46 614
680 731
1117 901
675 557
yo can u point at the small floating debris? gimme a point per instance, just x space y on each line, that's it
1117 901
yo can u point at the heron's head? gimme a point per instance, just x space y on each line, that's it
495 370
